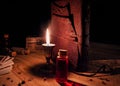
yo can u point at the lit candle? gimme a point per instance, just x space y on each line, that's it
48 44
48 47
47 37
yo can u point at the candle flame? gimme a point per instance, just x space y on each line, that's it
47 37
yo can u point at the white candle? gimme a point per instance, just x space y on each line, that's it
47 37
48 44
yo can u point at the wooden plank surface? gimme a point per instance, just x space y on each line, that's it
98 80
99 51
23 74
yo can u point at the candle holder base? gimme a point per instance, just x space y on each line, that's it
48 48
48 69
48 60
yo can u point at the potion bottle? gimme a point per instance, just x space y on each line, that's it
62 66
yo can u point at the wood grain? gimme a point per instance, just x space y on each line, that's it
23 74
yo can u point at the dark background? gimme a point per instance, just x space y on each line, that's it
21 18
105 21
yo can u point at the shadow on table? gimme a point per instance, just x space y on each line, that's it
43 70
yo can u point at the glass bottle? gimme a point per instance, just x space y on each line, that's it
62 66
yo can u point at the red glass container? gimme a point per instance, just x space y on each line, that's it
62 66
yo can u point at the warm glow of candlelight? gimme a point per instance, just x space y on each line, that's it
48 44
47 37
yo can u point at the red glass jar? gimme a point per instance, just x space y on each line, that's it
62 66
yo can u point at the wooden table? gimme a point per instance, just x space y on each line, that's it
22 75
